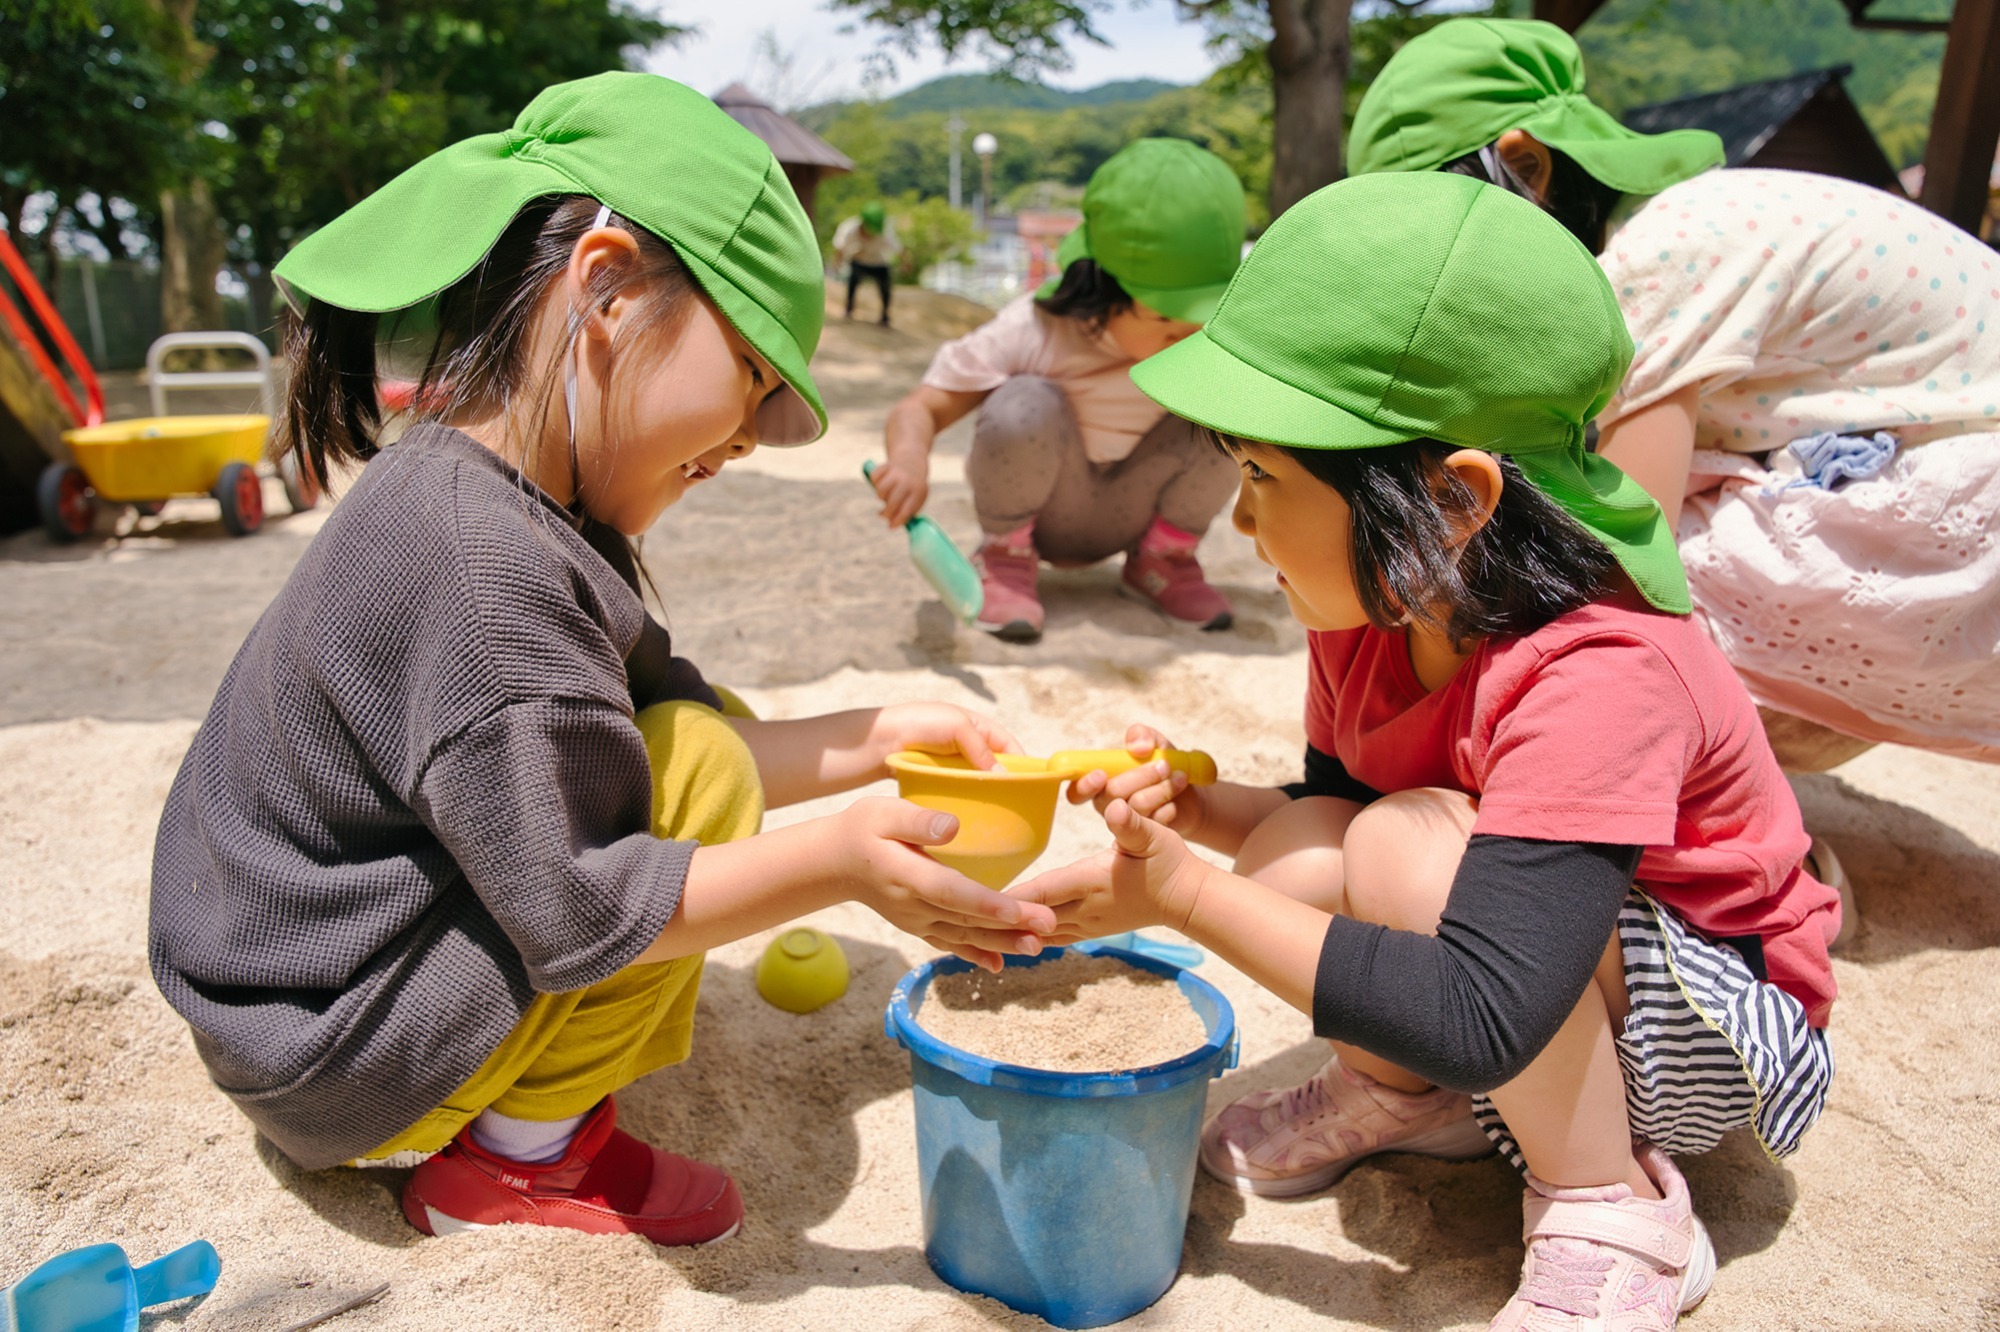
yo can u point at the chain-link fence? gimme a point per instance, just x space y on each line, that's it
114 311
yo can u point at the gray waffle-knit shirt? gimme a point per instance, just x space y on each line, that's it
418 800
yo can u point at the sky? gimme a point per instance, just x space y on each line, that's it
1147 42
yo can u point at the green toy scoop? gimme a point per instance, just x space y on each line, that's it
941 563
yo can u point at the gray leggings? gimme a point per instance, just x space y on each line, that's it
1027 461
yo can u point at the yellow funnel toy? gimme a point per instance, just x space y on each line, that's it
1005 814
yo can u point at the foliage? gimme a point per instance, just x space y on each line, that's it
897 151
1637 52
326 100
930 230
1019 37
1642 51
91 97
291 109
984 92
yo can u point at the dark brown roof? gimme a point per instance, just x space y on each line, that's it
1805 122
791 143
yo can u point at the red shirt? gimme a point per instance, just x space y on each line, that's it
1613 724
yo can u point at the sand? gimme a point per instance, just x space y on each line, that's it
1069 1014
780 583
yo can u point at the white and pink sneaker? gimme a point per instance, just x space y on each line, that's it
1283 1144
1604 1260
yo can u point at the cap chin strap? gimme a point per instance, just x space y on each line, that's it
569 361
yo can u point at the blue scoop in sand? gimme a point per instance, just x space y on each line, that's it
96 1289
942 564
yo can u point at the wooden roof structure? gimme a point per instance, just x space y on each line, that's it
1806 122
804 155
1965 126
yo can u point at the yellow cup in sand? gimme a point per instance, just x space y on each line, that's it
802 970
1005 814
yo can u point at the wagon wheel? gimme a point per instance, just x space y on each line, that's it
68 504
241 494
301 490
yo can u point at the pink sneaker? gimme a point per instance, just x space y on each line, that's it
1282 1144
1603 1259
1164 571
1008 570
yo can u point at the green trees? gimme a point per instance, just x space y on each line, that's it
236 126
1293 71
91 102
1301 45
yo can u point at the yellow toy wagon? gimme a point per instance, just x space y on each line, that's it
147 461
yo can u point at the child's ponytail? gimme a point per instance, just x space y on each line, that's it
331 408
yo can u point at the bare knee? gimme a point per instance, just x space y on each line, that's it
1402 852
1297 850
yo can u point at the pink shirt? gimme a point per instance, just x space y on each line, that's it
1094 374
1613 724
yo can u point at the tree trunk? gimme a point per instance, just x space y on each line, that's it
191 241
1309 55
13 202
191 255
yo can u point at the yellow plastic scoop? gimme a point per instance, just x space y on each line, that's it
1005 814
1199 767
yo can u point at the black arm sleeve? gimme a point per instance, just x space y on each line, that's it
1471 1007
1328 776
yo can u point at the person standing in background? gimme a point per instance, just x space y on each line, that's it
867 244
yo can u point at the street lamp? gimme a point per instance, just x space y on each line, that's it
985 145
955 127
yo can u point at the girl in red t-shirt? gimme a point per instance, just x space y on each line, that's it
1542 883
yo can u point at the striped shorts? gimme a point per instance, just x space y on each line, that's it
1706 1048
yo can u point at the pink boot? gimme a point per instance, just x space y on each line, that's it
1008 571
1164 571
1602 1260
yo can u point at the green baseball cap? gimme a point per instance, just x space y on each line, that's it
1467 81
657 153
873 216
1427 306
1166 218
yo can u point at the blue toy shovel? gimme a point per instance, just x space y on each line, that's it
941 563
96 1289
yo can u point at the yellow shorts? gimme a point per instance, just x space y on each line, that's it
572 1050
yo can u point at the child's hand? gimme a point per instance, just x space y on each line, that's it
1148 878
1151 789
917 894
942 728
903 488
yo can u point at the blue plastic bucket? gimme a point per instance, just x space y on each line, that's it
1059 1194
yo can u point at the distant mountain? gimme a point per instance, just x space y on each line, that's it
980 92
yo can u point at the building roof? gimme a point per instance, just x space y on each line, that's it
791 143
1746 117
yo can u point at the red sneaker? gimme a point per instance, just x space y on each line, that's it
1164 571
1009 569
607 1183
